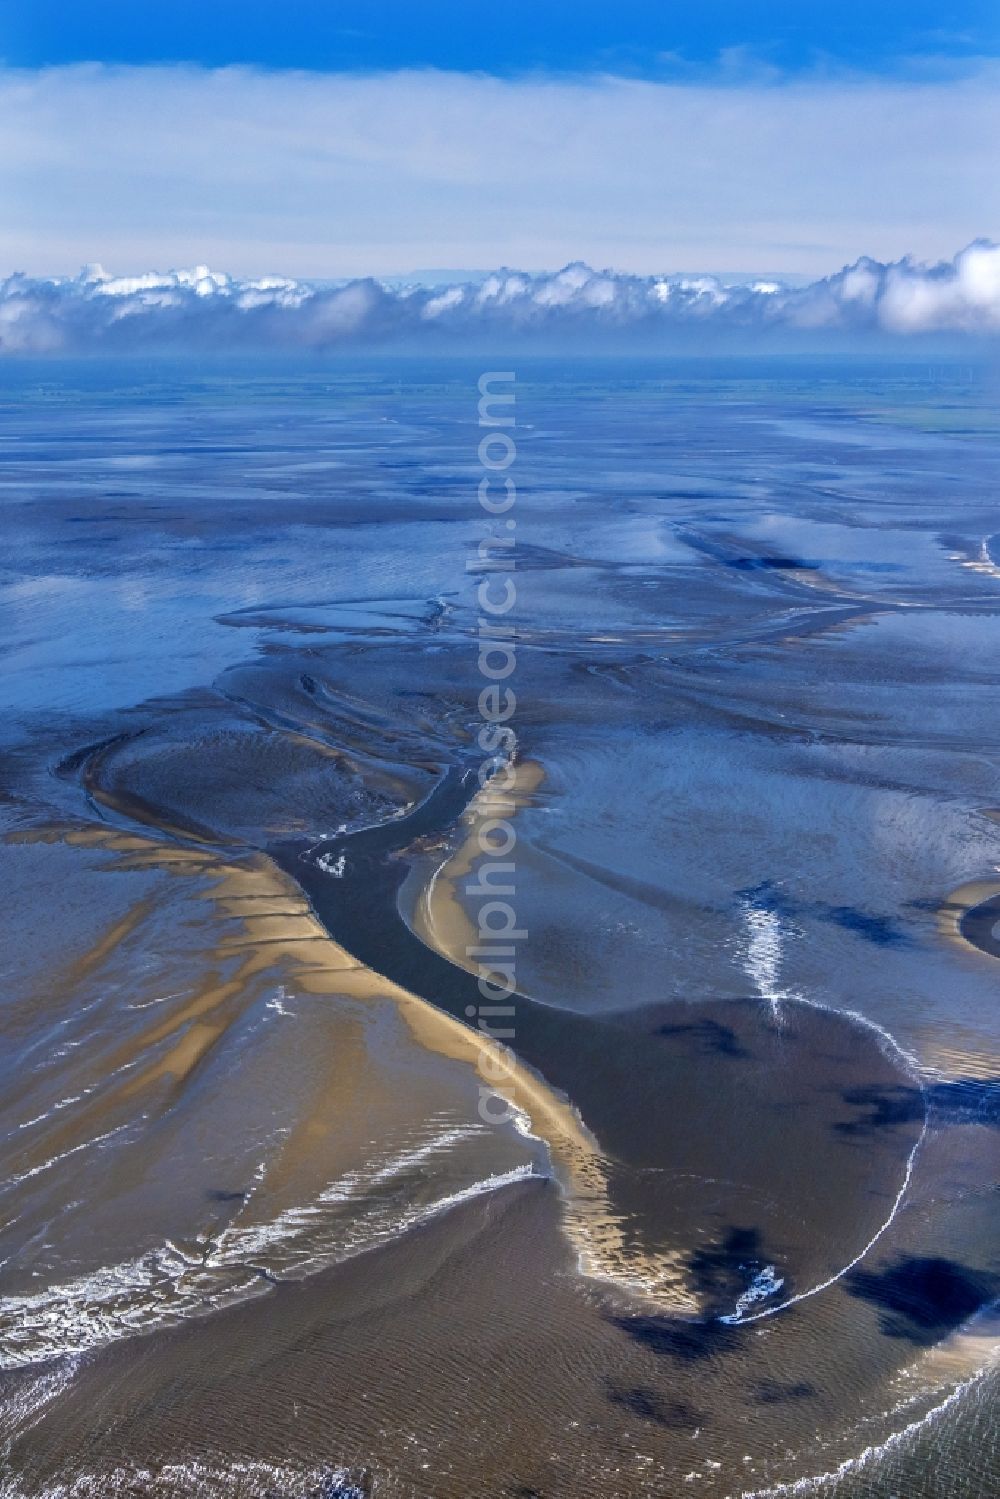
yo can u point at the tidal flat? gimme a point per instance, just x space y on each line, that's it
737 1235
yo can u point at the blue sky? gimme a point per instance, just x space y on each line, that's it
321 139
638 37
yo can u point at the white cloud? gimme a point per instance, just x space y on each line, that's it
200 308
329 175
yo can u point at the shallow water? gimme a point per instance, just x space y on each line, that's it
740 1232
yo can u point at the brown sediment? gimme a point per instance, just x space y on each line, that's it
968 1351
439 918
182 1058
442 922
136 809
279 932
972 1059
113 938
971 1056
954 914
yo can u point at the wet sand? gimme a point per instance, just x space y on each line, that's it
439 917
257 1238
972 913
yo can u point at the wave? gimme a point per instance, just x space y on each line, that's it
977 1345
169 1284
762 963
204 1478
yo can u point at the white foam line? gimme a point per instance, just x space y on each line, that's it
15 1181
420 1153
850 1465
912 1065
763 955
492 1183
162 999
737 1318
913 1069
90 1311
129 1299
762 965
63 1103
25 1407
428 899
197 1477
252 1238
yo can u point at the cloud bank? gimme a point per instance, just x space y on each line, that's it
204 310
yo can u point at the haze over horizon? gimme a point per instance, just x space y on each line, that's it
365 140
